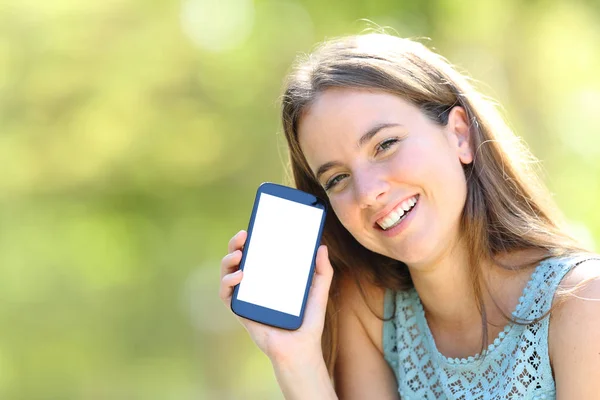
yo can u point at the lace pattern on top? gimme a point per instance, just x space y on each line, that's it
515 366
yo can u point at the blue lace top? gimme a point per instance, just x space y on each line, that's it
516 365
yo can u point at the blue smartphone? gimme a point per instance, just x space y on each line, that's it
279 255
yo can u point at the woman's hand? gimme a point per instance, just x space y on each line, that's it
283 347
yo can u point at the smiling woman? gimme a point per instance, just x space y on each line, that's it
452 275
402 155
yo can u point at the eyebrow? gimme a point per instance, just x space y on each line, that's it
364 139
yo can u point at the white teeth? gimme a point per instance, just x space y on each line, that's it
396 215
406 205
392 218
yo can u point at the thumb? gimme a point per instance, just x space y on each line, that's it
319 292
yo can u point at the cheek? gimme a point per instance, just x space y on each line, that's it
435 170
345 210
449 186
411 165
429 161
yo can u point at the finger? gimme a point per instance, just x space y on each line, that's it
227 284
237 241
231 263
319 293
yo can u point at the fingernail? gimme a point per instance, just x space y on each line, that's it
237 272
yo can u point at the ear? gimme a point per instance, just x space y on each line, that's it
460 134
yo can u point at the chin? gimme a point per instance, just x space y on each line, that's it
414 252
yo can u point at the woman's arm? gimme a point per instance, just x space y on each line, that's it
361 371
305 378
574 337
296 356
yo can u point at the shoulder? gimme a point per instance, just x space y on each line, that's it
360 369
577 298
574 331
364 302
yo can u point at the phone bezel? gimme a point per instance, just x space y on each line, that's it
265 315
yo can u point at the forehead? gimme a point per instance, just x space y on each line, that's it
340 116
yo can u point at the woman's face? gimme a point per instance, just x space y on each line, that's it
394 178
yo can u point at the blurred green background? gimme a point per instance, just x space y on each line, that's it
133 135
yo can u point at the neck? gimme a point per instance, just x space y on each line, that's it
445 288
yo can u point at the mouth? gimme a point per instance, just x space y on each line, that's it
397 215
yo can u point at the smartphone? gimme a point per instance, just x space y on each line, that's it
279 255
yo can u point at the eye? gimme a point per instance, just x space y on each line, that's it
385 145
331 183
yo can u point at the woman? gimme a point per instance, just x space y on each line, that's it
453 278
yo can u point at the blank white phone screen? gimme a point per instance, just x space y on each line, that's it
280 254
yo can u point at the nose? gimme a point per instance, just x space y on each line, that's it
371 188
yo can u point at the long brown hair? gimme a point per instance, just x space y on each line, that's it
507 207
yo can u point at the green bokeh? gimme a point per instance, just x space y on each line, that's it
133 135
